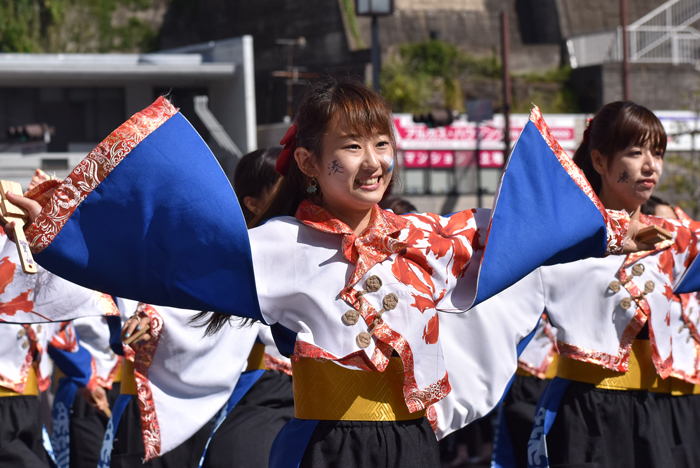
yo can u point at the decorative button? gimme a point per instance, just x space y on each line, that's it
363 339
649 287
626 303
638 269
373 284
614 286
21 333
351 317
390 301
25 344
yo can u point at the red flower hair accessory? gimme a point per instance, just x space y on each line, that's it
587 131
290 144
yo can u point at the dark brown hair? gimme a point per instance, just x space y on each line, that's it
616 126
649 207
324 103
254 174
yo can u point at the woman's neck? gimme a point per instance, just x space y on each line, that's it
357 220
611 202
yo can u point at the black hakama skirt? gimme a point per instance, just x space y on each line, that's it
600 428
21 439
358 444
244 438
681 421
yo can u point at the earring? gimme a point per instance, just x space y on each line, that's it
313 186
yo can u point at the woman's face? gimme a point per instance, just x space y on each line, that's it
630 177
354 170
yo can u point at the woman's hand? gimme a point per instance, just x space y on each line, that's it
32 207
133 325
97 399
631 245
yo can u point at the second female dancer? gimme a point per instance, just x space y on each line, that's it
613 314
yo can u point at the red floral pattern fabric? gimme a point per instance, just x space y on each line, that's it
427 254
689 311
672 258
372 246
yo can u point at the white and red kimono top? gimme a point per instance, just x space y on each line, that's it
599 305
538 355
312 269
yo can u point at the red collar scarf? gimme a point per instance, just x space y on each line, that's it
372 246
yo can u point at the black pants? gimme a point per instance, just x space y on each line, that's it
519 412
359 444
128 450
21 441
681 420
245 437
87 430
597 428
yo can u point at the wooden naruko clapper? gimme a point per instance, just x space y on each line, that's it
19 215
653 234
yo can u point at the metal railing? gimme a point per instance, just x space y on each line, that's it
664 35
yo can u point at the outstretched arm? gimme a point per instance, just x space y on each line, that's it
545 212
149 215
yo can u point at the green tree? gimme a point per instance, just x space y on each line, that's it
78 25
27 25
421 71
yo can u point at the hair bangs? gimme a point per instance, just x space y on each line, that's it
366 113
640 127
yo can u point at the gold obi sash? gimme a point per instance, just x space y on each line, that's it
256 359
30 389
549 375
128 386
118 371
641 374
326 391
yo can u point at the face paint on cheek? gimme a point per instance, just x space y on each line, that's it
334 168
624 177
390 160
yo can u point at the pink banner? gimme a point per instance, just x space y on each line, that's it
443 159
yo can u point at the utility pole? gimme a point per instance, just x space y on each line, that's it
626 92
507 96
292 73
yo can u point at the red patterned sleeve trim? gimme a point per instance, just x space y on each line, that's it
616 222
150 426
278 365
92 170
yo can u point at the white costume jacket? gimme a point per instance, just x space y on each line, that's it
540 353
599 305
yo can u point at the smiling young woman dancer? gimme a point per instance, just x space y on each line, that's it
612 314
351 291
